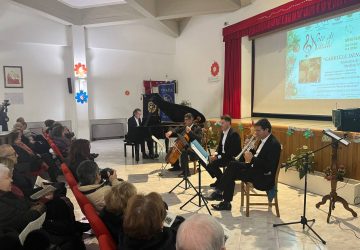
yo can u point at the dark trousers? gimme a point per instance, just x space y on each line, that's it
214 168
184 160
235 171
150 146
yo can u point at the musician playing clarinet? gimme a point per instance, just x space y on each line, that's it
229 147
259 168
195 133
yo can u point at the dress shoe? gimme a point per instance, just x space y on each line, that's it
174 169
222 206
213 185
145 156
215 196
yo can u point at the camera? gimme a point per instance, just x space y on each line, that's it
104 173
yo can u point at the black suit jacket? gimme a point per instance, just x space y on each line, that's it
194 134
232 145
265 165
131 131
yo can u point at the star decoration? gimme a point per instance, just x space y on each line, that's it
81 97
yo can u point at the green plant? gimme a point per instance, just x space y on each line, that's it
298 161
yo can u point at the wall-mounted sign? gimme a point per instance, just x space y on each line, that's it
214 72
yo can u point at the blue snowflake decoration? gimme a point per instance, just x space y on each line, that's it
81 97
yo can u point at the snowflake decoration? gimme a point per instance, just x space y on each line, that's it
308 133
81 97
290 131
80 70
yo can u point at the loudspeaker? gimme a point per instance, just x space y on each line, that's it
70 89
347 119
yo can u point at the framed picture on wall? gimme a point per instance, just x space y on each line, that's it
13 77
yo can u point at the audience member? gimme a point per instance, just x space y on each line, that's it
79 152
190 235
91 183
15 212
143 224
57 134
48 125
115 205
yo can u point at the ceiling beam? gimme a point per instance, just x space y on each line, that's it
54 8
170 9
148 8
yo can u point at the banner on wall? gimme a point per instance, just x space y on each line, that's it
167 92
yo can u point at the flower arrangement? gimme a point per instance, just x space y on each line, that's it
340 173
300 164
211 135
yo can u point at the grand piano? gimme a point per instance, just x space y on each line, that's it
152 124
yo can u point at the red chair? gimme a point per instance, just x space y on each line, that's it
70 179
106 242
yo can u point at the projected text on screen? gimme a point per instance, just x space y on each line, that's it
323 60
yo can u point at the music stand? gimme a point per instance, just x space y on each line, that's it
333 197
303 220
188 185
196 147
162 147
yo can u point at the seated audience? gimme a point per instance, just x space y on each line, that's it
48 125
57 134
143 224
79 152
9 240
27 133
91 183
115 205
15 212
192 232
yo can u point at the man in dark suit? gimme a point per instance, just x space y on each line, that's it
259 167
195 133
228 148
133 122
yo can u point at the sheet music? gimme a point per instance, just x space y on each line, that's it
32 226
169 219
40 182
41 193
200 151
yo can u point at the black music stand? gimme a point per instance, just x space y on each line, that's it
303 220
198 194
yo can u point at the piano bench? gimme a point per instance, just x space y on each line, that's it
132 144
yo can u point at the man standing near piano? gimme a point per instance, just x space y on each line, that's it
195 133
229 147
133 122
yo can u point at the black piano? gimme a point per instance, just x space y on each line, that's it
152 124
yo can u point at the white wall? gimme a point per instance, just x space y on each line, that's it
40 46
134 53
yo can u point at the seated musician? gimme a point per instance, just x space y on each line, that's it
133 122
259 168
229 147
195 133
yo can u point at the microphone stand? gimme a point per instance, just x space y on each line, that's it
303 220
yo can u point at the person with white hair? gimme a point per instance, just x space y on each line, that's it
200 232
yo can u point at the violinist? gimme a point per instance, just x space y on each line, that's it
259 168
195 133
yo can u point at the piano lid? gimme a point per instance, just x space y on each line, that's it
175 112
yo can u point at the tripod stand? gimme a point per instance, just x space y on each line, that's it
303 220
198 194
185 179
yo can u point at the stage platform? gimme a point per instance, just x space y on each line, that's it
293 134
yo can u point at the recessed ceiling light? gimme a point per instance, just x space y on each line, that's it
90 3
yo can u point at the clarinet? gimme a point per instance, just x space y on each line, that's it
247 147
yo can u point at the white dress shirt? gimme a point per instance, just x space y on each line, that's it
137 122
224 139
261 145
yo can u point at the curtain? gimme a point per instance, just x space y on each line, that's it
232 81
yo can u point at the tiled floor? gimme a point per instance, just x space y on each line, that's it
254 232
